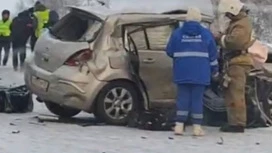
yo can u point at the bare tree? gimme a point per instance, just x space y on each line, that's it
260 14
95 2
23 4
57 5
20 6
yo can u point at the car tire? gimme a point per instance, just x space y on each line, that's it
61 111
119 96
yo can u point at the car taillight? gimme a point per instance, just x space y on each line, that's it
79 58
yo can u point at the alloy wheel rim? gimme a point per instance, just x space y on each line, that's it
118 103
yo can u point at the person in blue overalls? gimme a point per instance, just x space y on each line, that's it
193 50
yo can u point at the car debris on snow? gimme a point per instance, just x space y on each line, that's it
170 138
16 132
221 142
49 118
12 124
84 122
34 123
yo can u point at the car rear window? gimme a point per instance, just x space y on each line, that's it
76 26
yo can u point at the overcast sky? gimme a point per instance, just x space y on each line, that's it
7 4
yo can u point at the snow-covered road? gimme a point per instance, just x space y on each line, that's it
48 137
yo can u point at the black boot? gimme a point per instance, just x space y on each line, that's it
232 129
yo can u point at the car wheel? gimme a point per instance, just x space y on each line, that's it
115 101
61 111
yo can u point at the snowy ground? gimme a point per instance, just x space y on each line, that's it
68 138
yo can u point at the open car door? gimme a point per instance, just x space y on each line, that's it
134 66
154 66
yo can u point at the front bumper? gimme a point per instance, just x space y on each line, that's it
66 86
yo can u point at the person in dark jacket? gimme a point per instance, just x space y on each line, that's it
53 18
33 38
5 34
21 30
193 50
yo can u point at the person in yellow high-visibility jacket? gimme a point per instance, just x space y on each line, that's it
41 14
5 36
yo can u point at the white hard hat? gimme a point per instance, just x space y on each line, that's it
230 6
193 14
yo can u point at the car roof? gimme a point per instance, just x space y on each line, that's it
147 7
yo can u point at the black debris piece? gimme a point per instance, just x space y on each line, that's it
16 132
12 124
15 99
